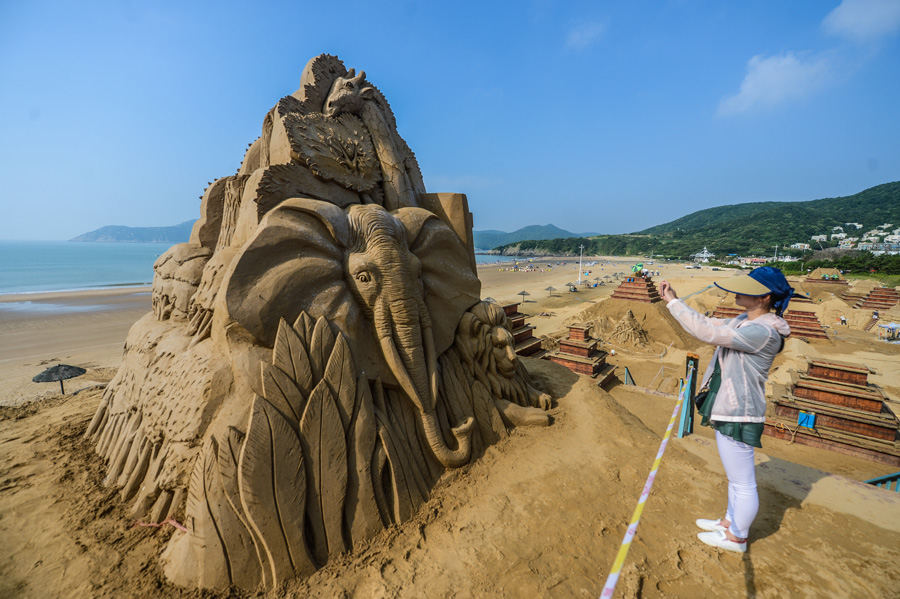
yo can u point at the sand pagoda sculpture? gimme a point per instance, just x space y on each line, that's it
317 354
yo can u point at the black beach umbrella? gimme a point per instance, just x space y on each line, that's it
60 372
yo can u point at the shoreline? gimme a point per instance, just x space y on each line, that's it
74 294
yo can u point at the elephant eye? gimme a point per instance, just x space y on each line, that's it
363 277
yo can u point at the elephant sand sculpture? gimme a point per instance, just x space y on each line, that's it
317 355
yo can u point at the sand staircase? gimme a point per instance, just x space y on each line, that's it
880 298
578 352
851 297
523 333
850 415
637 289
803 323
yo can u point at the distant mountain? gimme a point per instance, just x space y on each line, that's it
489 239
118 234
747 229
773 222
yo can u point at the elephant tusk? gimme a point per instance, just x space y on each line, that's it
393 359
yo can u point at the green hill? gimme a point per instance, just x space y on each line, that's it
492 238
746 229
119 234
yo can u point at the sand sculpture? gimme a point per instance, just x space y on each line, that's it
317 355
629 331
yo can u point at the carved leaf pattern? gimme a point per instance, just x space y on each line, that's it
304 326
361 509
322 435
229 454
273 490
405 499
291 357
281 392
320 347
244 567
205 541
341 379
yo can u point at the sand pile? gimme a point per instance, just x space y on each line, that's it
654 319
708 300
629 331
831 309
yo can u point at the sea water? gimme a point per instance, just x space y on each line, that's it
38 266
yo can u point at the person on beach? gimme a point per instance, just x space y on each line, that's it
735 404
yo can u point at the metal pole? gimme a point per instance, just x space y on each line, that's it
580 261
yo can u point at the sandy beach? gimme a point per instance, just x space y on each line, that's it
542 514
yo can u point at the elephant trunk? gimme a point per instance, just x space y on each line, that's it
408 348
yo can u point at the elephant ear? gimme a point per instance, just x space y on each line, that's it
451 286
294 263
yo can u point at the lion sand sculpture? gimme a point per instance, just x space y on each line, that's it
317 354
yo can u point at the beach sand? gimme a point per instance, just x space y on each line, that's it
542 514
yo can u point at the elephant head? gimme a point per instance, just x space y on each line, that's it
396 284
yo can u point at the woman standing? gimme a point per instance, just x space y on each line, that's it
736 378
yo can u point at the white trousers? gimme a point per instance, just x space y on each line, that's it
743 499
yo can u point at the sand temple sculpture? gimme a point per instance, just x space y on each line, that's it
317 355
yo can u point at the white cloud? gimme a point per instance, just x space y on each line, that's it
584 35
777 79
864 20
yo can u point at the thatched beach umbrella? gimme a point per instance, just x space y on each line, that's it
571 286
551 289
523 294
60 372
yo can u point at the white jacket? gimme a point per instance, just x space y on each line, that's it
746 349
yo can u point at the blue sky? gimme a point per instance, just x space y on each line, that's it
594 116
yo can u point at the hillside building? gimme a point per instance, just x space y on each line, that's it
819 238
799 246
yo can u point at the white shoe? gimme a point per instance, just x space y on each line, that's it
710 525
718 539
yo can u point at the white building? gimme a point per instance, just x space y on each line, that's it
799 246
703 256
857 225
819 238
838 235
841 229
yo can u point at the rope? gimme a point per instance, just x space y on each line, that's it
170 521
696 292
613 577
779 426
